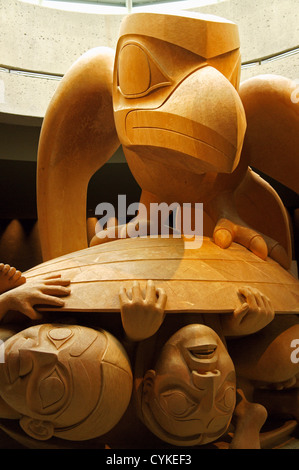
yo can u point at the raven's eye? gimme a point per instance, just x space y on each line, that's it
138 73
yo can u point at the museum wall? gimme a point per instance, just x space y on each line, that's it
40 40
46 40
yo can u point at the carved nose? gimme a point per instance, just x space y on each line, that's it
32 357
207 381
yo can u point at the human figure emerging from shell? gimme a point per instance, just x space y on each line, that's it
34 384
187 374
47 369
186 368
186 81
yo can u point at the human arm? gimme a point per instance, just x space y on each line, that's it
251 316
24 298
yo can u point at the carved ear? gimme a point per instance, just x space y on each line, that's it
38 429
148 383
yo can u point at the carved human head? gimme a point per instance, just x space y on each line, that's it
67 381
189 397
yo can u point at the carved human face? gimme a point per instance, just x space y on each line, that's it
49 368
65 381
190 397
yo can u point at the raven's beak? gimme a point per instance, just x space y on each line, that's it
199 128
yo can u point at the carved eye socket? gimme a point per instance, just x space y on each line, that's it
51 389
227 399
138 74
177 404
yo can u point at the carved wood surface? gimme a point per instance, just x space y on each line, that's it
204 279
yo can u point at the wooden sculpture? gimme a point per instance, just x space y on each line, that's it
10 277
270 112
183 315
183 306
179 118
67 381
47 368
188 398
204 279
74 127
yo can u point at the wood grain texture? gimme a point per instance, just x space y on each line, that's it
272 138
204 279
78 136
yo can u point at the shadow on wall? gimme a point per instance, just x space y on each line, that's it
19 238
19 243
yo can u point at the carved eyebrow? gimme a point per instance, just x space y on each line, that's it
61 335
85 342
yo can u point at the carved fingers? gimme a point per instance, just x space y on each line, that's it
56 280
227 232
48 291
142 313
256 301
255 313
10 277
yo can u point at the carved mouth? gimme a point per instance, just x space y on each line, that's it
206 351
